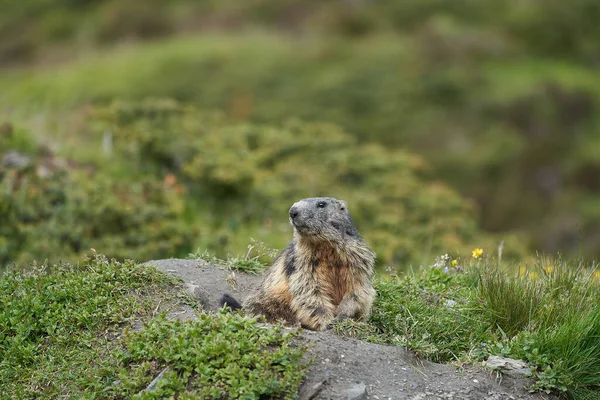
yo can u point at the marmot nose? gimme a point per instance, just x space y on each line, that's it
293 212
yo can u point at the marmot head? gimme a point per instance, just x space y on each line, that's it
322 218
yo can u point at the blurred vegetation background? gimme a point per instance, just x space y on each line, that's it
149 129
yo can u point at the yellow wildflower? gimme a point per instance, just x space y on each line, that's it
477 253
549 268
454 262
522 270
533 275
597 274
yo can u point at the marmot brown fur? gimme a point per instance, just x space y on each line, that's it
322 276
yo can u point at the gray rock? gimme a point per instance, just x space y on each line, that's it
357 391
507 366
14 159
152 386
450 303
309 392
208 282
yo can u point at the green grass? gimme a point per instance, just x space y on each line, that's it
549 317
58 323
255 261
546 314
434 313
67 331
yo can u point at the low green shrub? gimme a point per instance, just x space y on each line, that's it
173 178
170 178
214 357
70 331
58 212
243 177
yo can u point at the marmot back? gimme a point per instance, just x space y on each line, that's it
322 276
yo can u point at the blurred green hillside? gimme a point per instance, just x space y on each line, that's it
500 99
175 178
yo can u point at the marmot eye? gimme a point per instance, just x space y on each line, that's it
321 204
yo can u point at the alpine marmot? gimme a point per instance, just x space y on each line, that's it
322 276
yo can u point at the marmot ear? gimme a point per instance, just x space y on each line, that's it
343 205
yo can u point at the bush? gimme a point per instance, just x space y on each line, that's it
219 356
244 177
172 178
58 212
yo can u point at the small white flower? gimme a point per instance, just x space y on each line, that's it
442 260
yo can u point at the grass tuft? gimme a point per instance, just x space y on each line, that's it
251 264
434 313
546 315
550 318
